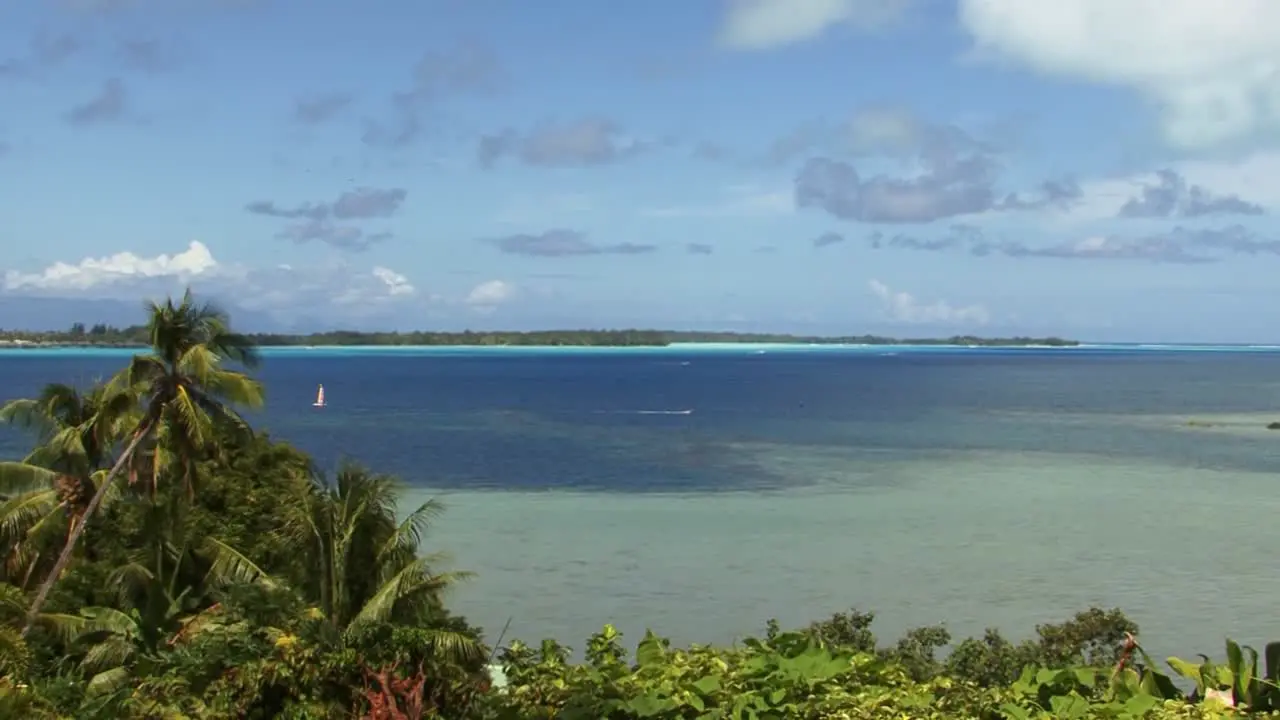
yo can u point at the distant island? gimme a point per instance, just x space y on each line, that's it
136 336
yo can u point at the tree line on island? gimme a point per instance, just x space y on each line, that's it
136 336
163 559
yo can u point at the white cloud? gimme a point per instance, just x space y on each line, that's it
904 307
763 24
282 290
746 200
122 267
490 294
396 283
1212 67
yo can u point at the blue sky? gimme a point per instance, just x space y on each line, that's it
905 167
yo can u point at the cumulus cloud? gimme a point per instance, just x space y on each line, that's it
905 308
958 173
1180 245
397 285
828 238
121 268
1211 68
110 103
764 24
1171 196
956 188
949 187
698 249
490 294
362 203
591 141
283 290
562 243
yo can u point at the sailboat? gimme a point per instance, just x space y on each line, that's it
319 398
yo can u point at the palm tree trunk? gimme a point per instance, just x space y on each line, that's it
43 594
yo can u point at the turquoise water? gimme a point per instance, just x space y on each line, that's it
975 486
674 348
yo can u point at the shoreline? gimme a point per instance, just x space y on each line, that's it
671 348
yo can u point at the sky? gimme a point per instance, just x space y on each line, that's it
1094 169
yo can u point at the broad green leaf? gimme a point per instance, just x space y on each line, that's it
1069 706
1014 712
707 685
651 650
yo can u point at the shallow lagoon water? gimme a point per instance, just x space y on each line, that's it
978 487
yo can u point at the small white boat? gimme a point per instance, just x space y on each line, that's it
319 398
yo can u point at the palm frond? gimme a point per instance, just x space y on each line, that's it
413 582
456 646
63 402
223 414
20 514
48 523
108 621
26 414
66 627
197 362
230 566
108 681
196 425
409 533
18 478
235 388
130 579
66 449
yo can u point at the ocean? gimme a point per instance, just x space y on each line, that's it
700 491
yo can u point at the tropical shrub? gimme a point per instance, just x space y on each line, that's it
798 675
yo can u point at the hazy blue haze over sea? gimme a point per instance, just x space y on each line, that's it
972 486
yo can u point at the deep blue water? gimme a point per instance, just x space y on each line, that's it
595 420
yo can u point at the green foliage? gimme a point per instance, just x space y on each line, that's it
1238 679
800 675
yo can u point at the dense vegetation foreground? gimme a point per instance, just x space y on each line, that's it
163 560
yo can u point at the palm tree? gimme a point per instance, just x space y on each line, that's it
76 432
184 391
157 601
365 565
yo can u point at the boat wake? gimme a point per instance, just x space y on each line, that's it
645 412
